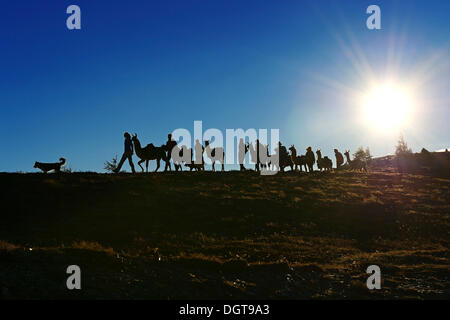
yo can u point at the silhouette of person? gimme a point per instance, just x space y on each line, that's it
264 156
127 154
241 153
281 155
311 158
170 144
278 153
339 158
283 150
198 152
258 160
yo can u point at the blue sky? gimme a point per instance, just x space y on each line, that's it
154 66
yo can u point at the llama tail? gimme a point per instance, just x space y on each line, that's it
62 161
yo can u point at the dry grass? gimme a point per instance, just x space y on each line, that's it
222 235
6 246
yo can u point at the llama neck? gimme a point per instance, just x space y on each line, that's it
137 145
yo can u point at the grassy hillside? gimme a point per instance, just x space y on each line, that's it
224 235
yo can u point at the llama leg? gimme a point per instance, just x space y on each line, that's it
157 164
139 164
146 165
165 167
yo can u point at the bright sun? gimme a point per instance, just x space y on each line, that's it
387 107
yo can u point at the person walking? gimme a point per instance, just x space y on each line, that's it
127 154
170 144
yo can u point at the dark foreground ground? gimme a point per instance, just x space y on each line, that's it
224 235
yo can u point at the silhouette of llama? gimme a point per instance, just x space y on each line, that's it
179 156
259 155
284 159
253 155
265 157
355 164
324 163
215 154
298 160
150 152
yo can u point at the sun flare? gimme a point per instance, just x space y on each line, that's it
387 107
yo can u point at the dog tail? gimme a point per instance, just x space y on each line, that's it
62 161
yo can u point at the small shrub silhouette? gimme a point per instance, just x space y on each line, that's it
111 166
